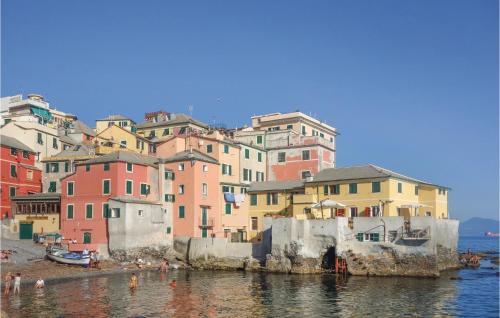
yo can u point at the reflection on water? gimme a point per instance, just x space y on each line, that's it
241 294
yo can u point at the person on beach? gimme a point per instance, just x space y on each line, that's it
7 281
132 283
40 283
17 283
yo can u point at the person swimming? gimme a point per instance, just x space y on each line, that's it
40 283
173 284
132 283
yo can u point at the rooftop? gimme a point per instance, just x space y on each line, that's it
189 155
175 119
81 127
75 152
361 172
133 200
14 143
124 156
38 196
115 117
275 185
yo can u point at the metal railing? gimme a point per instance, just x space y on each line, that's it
206 223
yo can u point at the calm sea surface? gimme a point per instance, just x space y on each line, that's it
240 294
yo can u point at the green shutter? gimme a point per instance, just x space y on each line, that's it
66 166
226 149
106 166
13 172
71 189
129 167
12 191
228 208
259 139
144 189
181 212
259 157
70 212
89 211
375 237
247 153
209 148
253 199
375 186
106 187
87 167
269 199
87 238
52 186
325 190
105 210
47 167
129 187
359 237
169 229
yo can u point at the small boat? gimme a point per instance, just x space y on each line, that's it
491 234
62 255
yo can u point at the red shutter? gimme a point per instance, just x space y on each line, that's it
340 212
367 211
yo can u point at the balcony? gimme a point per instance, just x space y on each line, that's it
206 223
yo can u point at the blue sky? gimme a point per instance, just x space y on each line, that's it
411 85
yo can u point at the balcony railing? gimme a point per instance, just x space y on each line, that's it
206 223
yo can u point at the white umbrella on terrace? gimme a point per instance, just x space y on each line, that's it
329 204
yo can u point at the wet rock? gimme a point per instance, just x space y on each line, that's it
153 254
276 263
252 264
225 263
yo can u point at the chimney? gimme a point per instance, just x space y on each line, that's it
36 97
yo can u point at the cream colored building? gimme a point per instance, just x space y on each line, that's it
118 120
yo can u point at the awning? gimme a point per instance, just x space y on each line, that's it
44 113
327 204
414 206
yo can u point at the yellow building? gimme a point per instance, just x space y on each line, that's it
360 191
271 198
115 138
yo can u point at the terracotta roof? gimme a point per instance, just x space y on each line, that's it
175 120
115 117
75 152
14 143
81 127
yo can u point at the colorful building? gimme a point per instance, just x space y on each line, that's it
86 194
114 138
111 120
174 125
19 176
194 194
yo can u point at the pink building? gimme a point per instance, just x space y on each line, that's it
195 194
85 194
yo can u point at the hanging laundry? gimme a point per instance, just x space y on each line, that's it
229 197
238 198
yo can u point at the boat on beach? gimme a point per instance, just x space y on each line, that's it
63 256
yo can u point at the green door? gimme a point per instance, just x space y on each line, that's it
204 232
26 231
87 238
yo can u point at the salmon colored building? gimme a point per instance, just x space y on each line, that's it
19 176
85 194
195 194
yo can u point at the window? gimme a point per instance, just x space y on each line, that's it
29 174
259 176
416 190
428 213
70 211
306 155
353 188
228 208
130 167
247 153
152 133
225 189
169 198
13 171
205 168
335 189
253 199
12 191
259 156
254 223
289 127
303 130
181 166
375 210
106 186
305 174
13 151
400 187
322 135
226 149
89 210
169 175
39 139
123 144
128 187
26 154
115 213
182 212
376 186
225 169
281 157
87 167
243 190
166 132
245 174
354 212
140 213
54 167
52 186
210 148
54 143
145 189
181 189
105 211
47 167
169 230
259 140
325 190
87 238
66 166
272 199
204 189
106 166
71 188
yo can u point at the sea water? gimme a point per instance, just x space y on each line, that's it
464 293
